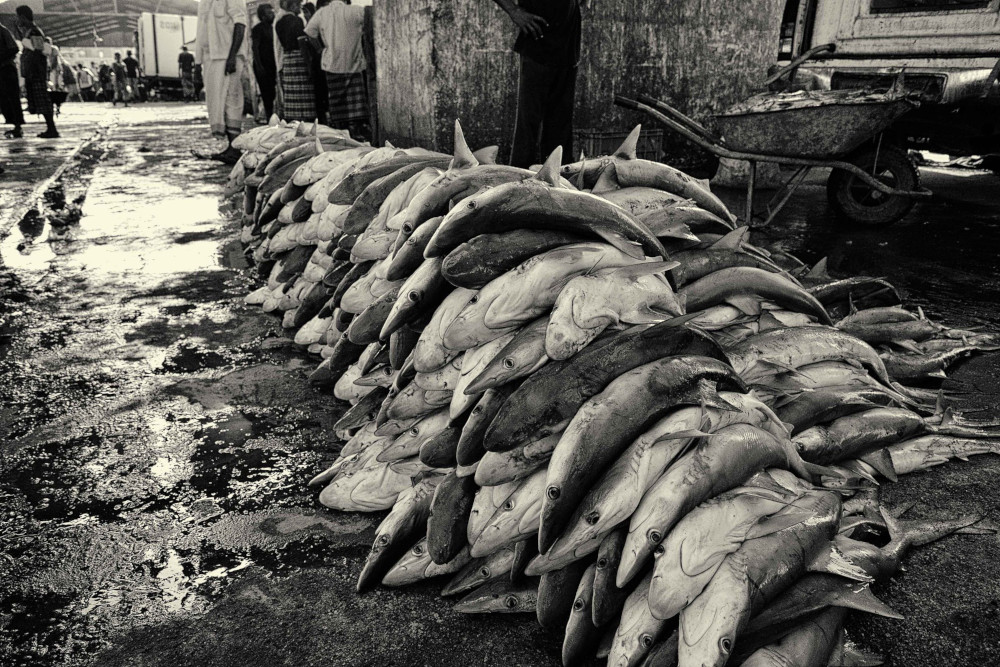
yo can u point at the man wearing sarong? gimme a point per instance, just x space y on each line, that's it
10 87
296 82
337 29
264 69
185 65
34 69
222 53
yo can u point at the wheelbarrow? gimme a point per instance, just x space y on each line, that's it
872 182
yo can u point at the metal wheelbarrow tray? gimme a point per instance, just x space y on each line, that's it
820 126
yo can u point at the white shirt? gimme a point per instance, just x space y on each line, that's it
216 19
339 26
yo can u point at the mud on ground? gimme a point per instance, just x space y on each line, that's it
157 436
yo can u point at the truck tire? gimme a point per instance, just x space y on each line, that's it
855 202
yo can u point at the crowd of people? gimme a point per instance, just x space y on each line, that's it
50 80
308 63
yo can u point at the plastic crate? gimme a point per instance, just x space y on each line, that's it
599 142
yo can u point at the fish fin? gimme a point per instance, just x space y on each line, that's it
694 563
672 322
273 120
782 520
319 146
861 598
818 271
769 321
778 366
910 345
607 181
852 656
748 305
920 313
487 154
627 151
315 128
549 173
463 157
631 248
939 373
686 433
709 395
832 560
580 183
643 269
882 462
733 240
815 470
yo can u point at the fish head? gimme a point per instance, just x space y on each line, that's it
709 626
469 329
479 572
600 511
500 596
637 629
516 517
514 361
567 333
411 568
642 541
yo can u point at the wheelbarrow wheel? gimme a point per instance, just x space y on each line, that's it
854 201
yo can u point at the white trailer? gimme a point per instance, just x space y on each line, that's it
160 38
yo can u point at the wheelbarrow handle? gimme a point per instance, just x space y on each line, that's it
822 48
690 123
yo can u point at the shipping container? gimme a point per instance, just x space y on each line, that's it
159 41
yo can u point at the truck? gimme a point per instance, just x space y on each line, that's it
159 39
943 53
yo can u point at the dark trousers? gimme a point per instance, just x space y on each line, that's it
267 86
10 95
544 112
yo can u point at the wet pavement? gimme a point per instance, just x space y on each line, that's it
157 434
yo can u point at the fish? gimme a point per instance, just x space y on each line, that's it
494 566
752 576
927 451
812 642
500 596
416 565
430 353
365 328
438 451
745 286
783 349
608 598
398 531
809 408
616 495
522 356
590 303
372 488
401 345
855 435
557 593
449 517
408 253
550 397
485 257
581 637
540 203
526 292
638 629
515 517
891 332
380 376
399 168
470 443
608 422
717 464
514 464
473 362
919 367
363 411
444 378
407 444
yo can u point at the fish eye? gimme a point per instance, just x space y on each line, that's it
485 571
654 536
474 299
414 295
552 492
658 551
511 602
477 410
418 550
407 228
646 641
473 204
372 416
383 539
508 362
579 604
726 644
508 506
593 518
387 371
414 431
602 563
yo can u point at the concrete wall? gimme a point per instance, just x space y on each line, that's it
442 59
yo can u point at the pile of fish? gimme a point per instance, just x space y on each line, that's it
583 393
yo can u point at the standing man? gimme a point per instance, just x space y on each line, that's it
132 73
34 69
337 29
185 65
86 78
549 46
222 53
121 81
10 88
265 69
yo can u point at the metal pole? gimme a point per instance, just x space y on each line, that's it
751 180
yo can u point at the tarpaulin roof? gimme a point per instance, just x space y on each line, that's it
76 22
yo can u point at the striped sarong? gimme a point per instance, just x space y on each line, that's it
348 98
297 88
39 101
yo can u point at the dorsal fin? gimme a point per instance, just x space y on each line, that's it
319 146
273 120
315 128
733 240
580 185
463 157
628 148
819 271
388 144
643 269
549 172
607 181
487 154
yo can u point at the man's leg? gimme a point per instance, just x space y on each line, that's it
532 93
557 128
267 97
